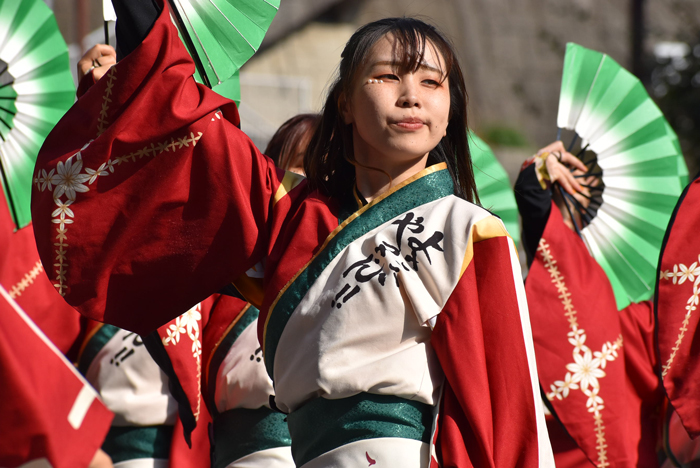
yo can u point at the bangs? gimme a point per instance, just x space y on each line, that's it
411 37
410 42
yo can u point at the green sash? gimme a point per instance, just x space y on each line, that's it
322 425
132 442
240 432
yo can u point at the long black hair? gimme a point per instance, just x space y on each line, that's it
329 160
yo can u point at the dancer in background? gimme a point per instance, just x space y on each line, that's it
211 355
39 387
595 364
289 143
234 383
380 275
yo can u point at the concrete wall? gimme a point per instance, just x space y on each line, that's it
511 53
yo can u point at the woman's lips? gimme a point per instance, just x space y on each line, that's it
410 123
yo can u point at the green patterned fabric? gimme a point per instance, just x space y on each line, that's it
97 341
240 432
322 425
132 442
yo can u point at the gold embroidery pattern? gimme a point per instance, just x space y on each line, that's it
27 280
106 101
679 275
188 324
587 368
69 179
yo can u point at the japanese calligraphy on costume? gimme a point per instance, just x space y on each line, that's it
189 206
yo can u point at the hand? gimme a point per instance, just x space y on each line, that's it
98 59
101 460
558 162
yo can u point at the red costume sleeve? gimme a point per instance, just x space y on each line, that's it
488 412
24 278
47 410
147 197
595 363
678 318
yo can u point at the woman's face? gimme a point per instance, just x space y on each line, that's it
397 117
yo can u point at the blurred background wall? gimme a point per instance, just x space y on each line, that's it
511 53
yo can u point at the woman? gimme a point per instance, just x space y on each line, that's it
289 143
386 295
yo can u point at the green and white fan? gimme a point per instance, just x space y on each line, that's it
493 185
36 89
629 145
221 35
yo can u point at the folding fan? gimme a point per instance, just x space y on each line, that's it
493 185
626 138
36 89
221 35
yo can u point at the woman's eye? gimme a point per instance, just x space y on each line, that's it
389 77
431 82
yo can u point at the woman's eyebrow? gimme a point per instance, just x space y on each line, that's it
395 64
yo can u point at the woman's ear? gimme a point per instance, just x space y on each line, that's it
344 109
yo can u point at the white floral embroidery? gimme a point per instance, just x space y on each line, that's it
679 275
188 324
43 180
68 178
587 368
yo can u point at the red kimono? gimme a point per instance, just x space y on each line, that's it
677 299
50 415
24 278
596 365
148 198
212 357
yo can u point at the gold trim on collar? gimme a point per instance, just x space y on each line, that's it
341 226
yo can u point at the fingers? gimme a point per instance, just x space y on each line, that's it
553 147
571 160
103 65
558 172
559 151
101 460
99 58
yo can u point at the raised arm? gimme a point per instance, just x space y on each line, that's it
147 197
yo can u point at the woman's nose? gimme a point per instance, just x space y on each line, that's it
409 95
